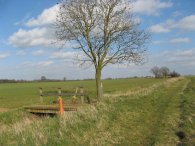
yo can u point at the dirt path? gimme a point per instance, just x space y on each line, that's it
149 119
3 110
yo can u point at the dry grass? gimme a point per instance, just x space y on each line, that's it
102 134
139 117
3 109
99 134
141 91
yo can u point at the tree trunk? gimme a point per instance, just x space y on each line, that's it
98 83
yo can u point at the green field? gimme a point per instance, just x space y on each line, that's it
133 112
16 95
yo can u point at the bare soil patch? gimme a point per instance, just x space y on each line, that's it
3 109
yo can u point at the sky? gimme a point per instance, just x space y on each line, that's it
28 51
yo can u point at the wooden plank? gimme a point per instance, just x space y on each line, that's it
50 109
54 108
63 94
43 111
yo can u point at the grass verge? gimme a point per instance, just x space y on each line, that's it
140 117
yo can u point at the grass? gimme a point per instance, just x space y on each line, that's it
20 94
187 116
147 114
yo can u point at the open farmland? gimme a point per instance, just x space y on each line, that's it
133 112
97 73
16 95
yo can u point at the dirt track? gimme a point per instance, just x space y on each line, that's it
3 110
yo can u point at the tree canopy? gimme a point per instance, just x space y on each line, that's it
105 31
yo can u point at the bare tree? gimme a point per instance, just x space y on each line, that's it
104 30
156 71
43 78
165 71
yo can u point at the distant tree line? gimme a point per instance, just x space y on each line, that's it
12 81
163 72
45 79
42 79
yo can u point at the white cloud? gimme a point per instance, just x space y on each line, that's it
181 40
184 57
185 53
45 63
42 35
74 57
38 52
48 16
63 55
158 28
37 37
185 24
182 61
157 42
150 7
21 52
32 38
55 70
176 14
4 55
37 64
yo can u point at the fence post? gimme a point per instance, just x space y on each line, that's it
82 94
41 94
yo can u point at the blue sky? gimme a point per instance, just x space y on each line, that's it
27 50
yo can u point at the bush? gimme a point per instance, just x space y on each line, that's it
174 74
